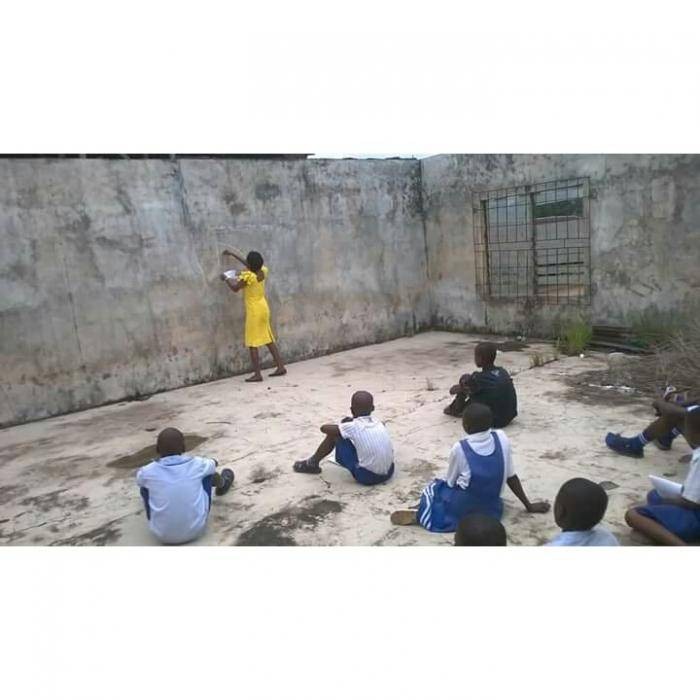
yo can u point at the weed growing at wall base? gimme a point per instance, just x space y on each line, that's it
574 336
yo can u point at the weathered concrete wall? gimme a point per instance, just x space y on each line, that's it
109 269
645 235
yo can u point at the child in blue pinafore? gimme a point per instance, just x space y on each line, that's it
479 467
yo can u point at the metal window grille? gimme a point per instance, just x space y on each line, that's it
533 241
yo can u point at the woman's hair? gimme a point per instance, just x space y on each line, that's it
254 261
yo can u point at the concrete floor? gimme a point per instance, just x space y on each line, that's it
70 480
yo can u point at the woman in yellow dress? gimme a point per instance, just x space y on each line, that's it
258 331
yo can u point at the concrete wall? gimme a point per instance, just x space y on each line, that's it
644 226
109 269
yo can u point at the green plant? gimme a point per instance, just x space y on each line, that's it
574 336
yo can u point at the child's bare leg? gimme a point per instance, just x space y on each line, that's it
653 530
255 359
323 450
274 351
311 465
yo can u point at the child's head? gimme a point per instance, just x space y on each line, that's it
479 530
361 404
692 427
254 261
170 442
580 505
485 354
477 417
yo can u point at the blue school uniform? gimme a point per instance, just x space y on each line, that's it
442 506
346 456
682 522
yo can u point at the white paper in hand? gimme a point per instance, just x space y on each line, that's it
230 274
666 488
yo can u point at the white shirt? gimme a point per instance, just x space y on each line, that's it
691 485
179 505
596 537
372 442
458 472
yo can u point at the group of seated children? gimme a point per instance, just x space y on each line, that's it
176 488
667 520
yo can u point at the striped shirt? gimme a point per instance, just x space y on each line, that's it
372 442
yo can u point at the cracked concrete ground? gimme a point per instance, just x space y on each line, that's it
70 479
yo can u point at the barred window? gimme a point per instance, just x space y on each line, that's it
533 241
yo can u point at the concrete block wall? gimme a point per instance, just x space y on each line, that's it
645 236
109 269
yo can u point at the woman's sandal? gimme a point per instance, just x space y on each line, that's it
254 378
278 373
305 467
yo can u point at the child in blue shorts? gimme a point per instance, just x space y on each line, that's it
674 521
479 467
362 445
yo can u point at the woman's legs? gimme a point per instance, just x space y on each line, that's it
274 351
255 359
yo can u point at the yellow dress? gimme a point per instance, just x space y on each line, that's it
258 331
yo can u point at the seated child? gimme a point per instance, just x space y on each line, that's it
478 530
479 467
362 445
579 506
672 421
673 521
491 386
176 489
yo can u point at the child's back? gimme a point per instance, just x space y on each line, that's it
176 496
494 387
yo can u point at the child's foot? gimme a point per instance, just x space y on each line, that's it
255 378
225 482
307 466
279 373
404 517
630 447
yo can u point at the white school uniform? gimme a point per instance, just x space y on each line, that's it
178 503
596 537
371 440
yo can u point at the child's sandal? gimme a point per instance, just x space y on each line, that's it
304 466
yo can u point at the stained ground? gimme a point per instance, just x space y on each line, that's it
70 480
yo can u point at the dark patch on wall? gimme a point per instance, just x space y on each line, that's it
234 206
278 529
266 191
